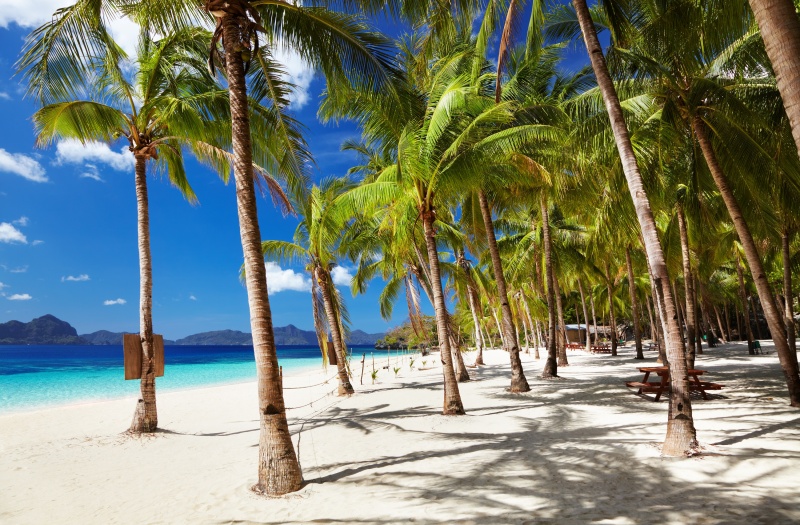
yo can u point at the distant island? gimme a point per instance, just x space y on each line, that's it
49 330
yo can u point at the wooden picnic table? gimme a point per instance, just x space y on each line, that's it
659 387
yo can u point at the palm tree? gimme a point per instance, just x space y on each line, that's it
780 29
158 112
681 434
314 244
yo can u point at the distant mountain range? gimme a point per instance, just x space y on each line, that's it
49 330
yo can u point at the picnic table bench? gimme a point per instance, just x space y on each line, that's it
659 387
602 348
653 346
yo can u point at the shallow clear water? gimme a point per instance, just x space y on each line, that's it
43 376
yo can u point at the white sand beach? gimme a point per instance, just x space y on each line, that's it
581 449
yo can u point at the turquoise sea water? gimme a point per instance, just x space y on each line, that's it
44 376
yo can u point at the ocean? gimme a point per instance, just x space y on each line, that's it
33 377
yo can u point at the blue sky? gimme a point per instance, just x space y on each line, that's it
68 223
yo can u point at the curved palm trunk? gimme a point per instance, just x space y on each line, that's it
462 375
452 397
551 364
518 381
145 417
585 316
561 343
687 284
788 359
780 30
637 331
788 298
594 316
681 435
278 469
324 279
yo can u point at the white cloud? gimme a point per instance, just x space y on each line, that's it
9 234
4 95
298 72
111 302
279 280
192 298
29 14
3 286
92 173
341 276
79 279
22 165
18 269
19 297
72 151
22 221
37 242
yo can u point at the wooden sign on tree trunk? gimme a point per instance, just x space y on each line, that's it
132 355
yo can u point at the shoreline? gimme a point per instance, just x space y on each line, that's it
583 449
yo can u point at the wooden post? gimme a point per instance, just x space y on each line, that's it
363 358
132 355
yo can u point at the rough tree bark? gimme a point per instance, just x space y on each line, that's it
561 343
324 279
787 358
681 436
452 397
278 469
585 316
145 417
518 381
551 364
687 281
788 298
780 30
637 331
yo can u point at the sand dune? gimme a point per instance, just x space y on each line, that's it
581 449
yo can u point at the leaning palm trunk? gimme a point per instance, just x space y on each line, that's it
585 316
518 381
325 283
551 364
145 417
687 284
681 435
788 359
780 29
278 469
637 331
787 291
452 397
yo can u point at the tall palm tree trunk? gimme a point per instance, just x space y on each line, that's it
780 29
687 282
699 329
745 307
612 319
681 435
562 328
551 364
726 313
478 337
324 279
788 298
585 316
787 358
145 417
594 317
278 469
452 397
637 331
